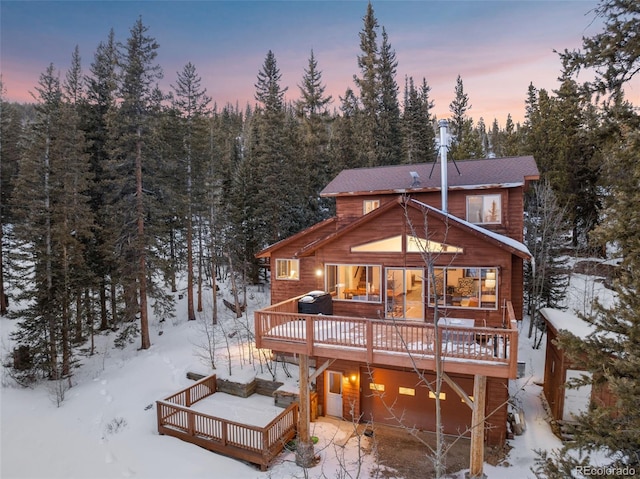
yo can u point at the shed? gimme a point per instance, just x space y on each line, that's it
564 402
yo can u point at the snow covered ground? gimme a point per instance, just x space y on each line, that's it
106 425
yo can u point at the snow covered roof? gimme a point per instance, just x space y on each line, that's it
566 321
508 172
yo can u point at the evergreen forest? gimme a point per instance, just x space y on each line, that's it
113 191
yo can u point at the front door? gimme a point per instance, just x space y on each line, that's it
405 293
333 385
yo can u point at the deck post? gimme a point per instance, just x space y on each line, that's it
304 446
369 340
309 336
477 427
191 423
159 416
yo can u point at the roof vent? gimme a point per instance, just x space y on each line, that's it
416 179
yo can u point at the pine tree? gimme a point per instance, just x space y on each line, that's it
541 125
128 132
10 133
417 123
546 278
225 235
458 108
471 145
611 354
268 89
428 138
80 222
564 146
389 132
368 84
495 140
54 224
577 160
270 165
511 140
191 102
73 88
614 53
39 330
347 147
313 101
315 124
101 94
245 236
268 152
484 136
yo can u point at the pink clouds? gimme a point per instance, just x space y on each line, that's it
497 48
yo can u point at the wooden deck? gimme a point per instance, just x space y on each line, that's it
258 445
469 350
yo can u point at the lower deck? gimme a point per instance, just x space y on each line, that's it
188 416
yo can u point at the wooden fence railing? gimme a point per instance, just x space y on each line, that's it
282 328
258 445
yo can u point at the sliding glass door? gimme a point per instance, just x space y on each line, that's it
405 293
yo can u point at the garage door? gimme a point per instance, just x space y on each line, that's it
388 395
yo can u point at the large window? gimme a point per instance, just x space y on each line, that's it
288 269
464 288
354 282
393 244
484 209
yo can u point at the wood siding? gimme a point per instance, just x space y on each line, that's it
477 253
358 400
496 411
349 208
555 377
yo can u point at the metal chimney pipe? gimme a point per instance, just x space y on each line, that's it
444 183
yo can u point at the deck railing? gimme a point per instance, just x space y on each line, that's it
258 445
491 351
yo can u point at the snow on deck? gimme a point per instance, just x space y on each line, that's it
256 410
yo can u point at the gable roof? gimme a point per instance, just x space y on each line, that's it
474 174
516 247
313 231
317 241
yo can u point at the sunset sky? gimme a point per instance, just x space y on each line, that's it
497 47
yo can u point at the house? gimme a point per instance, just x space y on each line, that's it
400 252
565 402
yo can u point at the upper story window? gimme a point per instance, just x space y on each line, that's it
369 205
420 245
414 244
484 209
464 288
288 269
